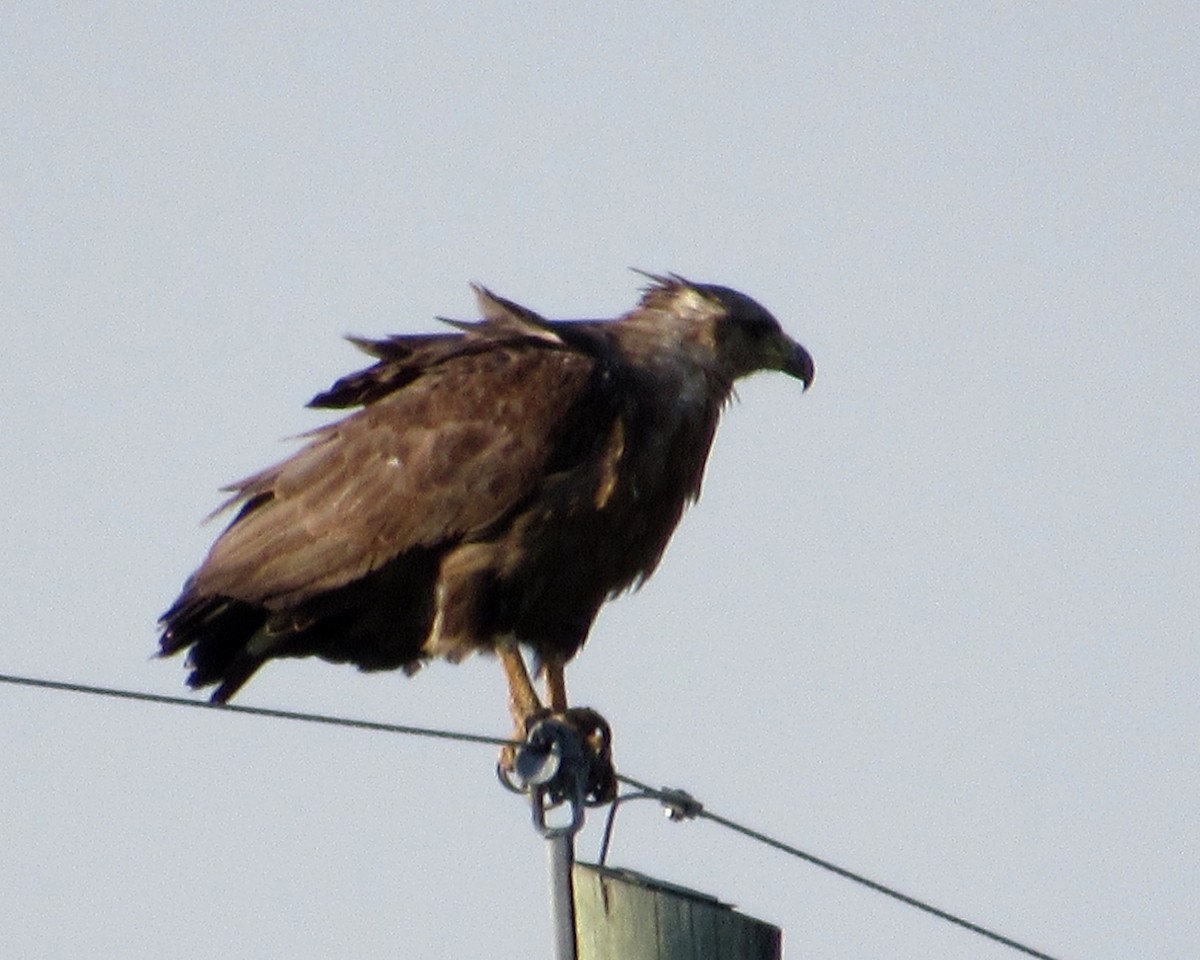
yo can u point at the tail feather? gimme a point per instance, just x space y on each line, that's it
217 631
379 622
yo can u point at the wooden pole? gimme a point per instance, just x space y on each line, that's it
603 914
622 915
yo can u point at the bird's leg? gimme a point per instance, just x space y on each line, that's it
555 680
523 703
527 709
592 728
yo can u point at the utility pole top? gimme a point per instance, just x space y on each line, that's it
599 913
622 915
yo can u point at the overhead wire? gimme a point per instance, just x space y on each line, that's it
689 809
256 711
679 804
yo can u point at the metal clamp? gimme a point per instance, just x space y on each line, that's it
552 767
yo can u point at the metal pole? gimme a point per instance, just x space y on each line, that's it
552 768
560 852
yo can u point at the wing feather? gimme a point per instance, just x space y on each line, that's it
440 459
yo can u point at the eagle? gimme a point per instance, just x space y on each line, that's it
499 482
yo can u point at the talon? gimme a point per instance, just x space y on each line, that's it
595 735
507 759
597 739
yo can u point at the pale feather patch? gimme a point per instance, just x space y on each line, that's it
434 640
262 642
450 636
512 316
609 465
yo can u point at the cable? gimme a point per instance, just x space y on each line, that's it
255 711
611 819
679 803
689 808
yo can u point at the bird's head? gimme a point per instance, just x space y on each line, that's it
738 334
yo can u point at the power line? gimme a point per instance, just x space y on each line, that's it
680 805
255 711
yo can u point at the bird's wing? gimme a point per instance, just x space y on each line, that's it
441 458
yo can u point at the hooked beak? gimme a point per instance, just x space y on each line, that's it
798 363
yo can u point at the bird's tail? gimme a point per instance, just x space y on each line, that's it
218 634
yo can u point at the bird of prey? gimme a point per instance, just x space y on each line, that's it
499 483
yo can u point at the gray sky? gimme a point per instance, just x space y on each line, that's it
934 620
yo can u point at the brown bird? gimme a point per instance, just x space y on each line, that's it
498 485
